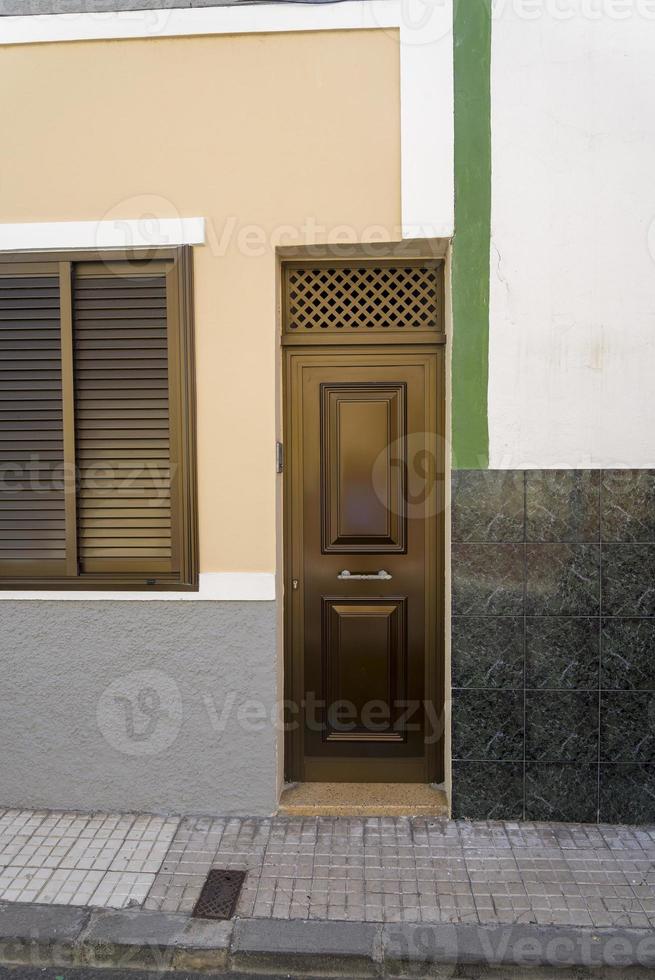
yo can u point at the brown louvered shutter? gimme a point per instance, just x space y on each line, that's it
32 495
97 460
125 422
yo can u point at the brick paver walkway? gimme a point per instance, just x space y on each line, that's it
418 870
374 869
101 859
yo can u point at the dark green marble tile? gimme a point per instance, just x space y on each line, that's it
487 725
561 726
488 505
627 794
629 579
628 654
562 653
487 651
561 792
563 580
562 505
628 505
487 790
627 726
487 579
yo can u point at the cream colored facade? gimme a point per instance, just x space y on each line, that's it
272 135
274 139
270 124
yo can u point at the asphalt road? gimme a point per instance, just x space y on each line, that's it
81 973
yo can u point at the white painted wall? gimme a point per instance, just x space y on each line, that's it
572 342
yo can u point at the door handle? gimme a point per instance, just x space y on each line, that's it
380 576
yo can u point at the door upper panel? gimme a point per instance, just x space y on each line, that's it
363 481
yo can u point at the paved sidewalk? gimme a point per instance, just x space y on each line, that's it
376 869
106 860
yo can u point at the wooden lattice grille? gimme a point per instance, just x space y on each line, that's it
370 298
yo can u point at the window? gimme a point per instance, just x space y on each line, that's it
97 474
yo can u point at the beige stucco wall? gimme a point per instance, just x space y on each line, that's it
288 135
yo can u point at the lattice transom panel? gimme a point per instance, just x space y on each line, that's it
368 298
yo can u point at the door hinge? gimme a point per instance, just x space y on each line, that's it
279 457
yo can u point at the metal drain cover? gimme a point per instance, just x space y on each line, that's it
219 895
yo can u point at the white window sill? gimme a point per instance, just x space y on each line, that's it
213 586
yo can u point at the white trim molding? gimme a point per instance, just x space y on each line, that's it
213 587
426 73
270 18
116 233
427 119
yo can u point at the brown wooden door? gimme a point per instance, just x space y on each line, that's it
363 563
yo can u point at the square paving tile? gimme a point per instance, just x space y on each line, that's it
104 859
374 869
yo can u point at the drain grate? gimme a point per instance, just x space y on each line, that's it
219 895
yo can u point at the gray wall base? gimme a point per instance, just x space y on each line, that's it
158 706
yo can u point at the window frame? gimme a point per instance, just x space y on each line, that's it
178 268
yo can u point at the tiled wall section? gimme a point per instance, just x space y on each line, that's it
553 645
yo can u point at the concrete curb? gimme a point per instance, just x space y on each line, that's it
47 935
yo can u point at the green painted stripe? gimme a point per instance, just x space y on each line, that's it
470 273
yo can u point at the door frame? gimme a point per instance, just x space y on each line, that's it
294 348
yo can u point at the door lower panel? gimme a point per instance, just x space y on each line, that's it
364 652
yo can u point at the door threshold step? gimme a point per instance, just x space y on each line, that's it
363 800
